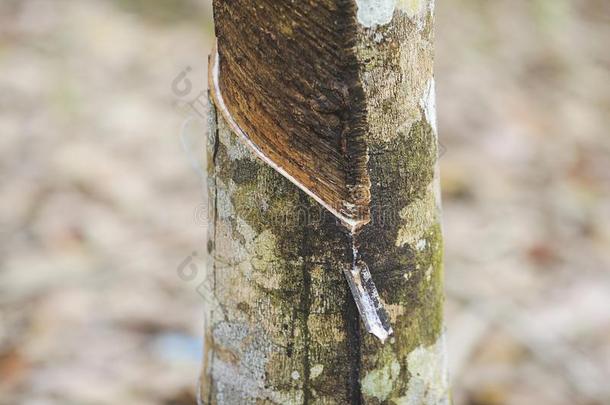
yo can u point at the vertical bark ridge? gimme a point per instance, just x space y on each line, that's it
306 305
212 149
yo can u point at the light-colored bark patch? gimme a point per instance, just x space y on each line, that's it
239 151
416 10
428 104
395 92
264 250
416 218
265 260
395 310
379 383
428 383
245 230
375 12
224 206
411 7
239 368
286 398
316 370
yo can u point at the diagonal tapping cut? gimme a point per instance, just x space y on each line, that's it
289 86
291 82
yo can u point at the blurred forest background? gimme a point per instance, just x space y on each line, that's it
100 205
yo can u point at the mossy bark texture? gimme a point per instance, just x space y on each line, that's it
282 327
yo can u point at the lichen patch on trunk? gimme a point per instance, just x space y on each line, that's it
415 219
427 383
416 10
375 12
428 104
240 366
411 7
379 383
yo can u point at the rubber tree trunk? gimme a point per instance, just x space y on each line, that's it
283 327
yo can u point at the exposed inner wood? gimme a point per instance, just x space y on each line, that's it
288 75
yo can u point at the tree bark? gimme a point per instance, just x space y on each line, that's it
283 327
